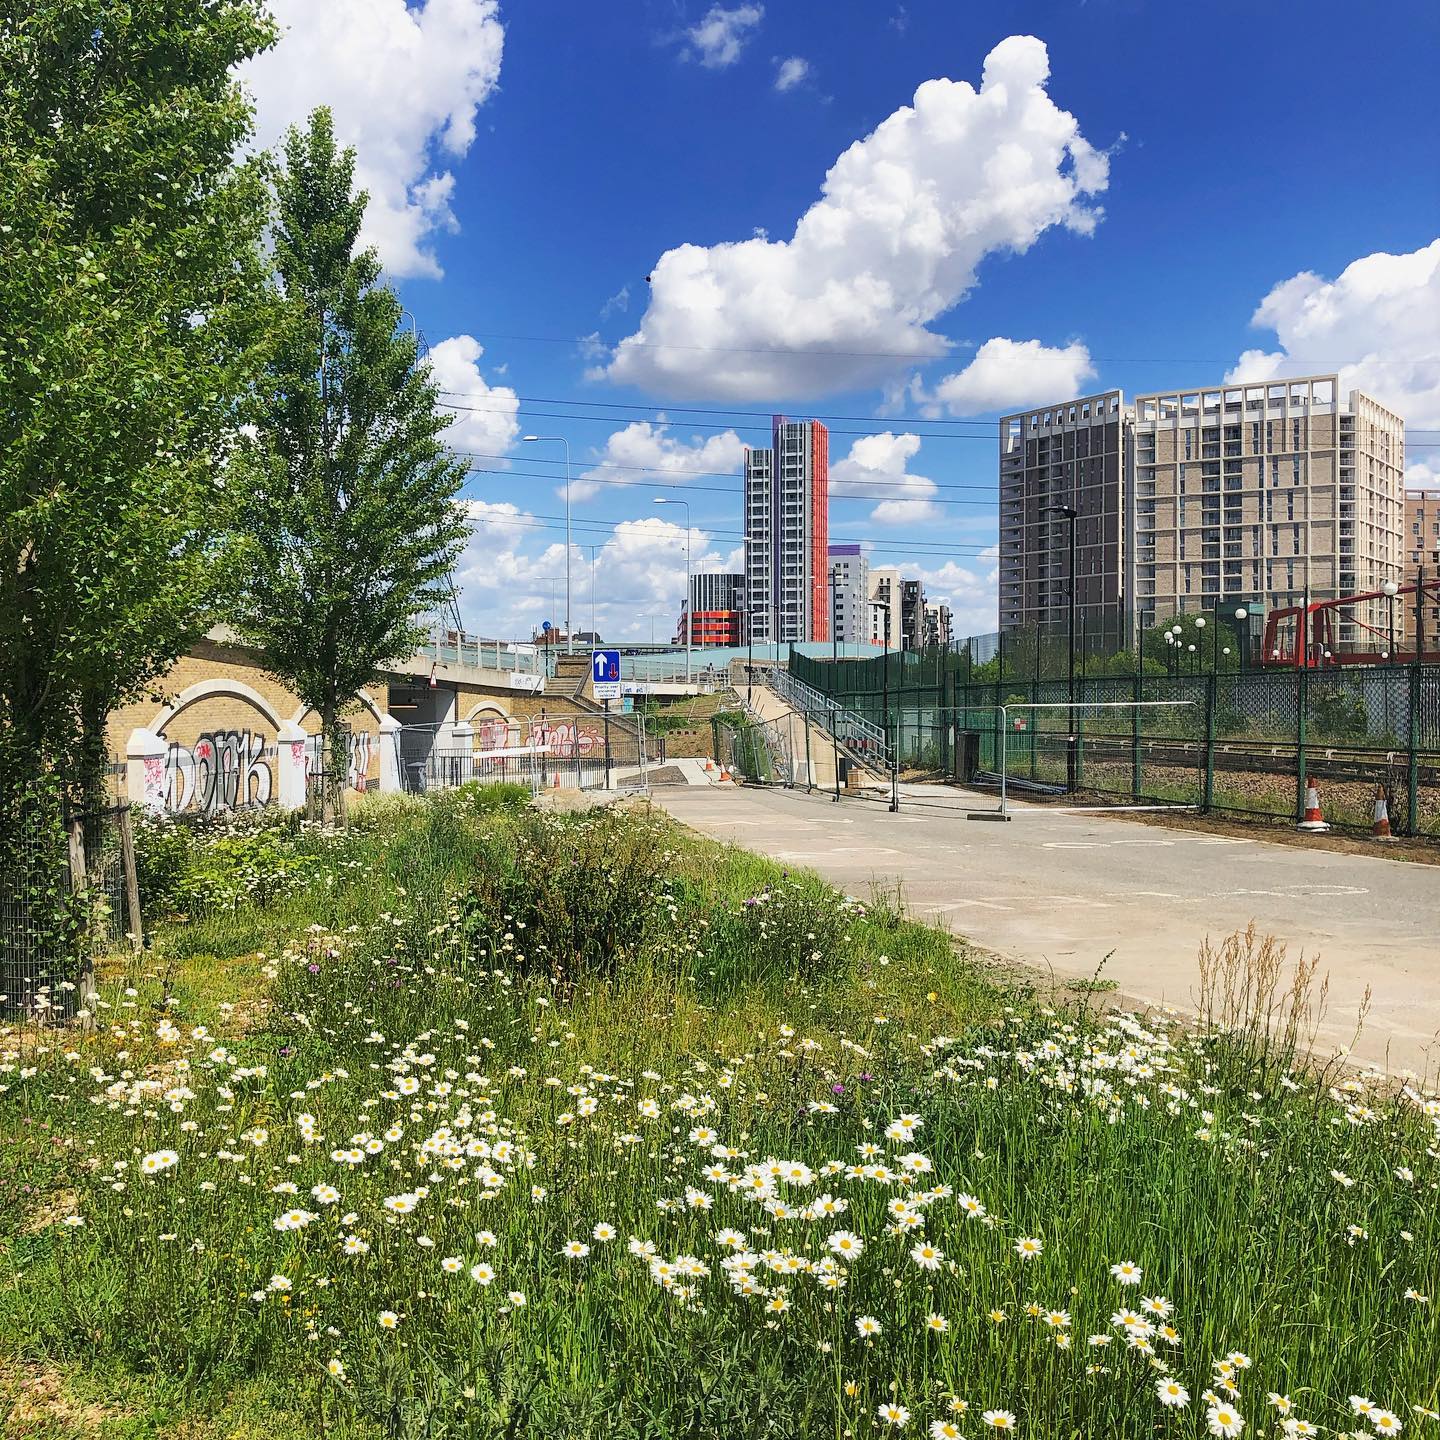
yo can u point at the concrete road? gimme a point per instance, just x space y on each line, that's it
1060 891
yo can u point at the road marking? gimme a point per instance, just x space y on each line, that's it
1225 841
962 904
1142 842
1084 900
1074 844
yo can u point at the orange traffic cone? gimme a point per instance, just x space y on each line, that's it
1380 830
1313 820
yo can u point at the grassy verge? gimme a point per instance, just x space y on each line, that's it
491 1123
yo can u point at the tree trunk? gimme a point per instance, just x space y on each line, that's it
334 758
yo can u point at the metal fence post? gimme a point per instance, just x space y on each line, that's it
1209 796
809 776
1302 730
1135 738
1412 819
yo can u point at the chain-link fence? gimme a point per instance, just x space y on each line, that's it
583 750
65 900
1249 744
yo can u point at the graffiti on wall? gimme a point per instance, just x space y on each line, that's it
566 738
358 751
357 769
224 770
492 732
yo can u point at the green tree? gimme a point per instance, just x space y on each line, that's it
129 274
349 494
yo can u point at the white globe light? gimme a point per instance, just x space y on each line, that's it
1191 649
1199 622
1391 589
1225 651
1241 613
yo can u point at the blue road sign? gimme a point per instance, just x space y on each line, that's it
605 674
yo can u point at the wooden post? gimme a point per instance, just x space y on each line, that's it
80 889
132 880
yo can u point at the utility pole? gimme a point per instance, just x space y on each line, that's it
560 439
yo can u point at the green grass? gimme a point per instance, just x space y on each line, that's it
428 987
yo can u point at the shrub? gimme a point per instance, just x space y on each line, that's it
567 895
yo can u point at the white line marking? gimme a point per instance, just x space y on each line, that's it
962 904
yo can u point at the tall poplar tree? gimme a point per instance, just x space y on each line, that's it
129 275
348 503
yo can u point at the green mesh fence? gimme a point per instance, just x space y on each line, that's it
1248 744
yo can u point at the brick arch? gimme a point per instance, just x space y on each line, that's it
209 690
363 696
481 706
489 718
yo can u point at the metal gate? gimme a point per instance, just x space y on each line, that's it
581 750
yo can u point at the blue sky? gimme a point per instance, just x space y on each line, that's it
1095 195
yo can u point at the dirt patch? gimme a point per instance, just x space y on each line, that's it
52 1212
34 1403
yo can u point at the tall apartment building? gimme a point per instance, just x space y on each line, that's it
714 610
850 576
939 627
1254 495
1071 455
1421 552
787 534
899 604
1265 494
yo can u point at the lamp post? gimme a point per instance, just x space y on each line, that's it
560 439
689 609
1242 616
1069 512
1391 590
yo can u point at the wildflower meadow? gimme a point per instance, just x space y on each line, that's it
472 1120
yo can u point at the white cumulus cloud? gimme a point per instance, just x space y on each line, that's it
904 219
1008 375
720 37
878 465
790 73
969 590
404 82
1420 475
1380 317
485 415
646 450
638 569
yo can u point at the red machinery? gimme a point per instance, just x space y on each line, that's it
1283 646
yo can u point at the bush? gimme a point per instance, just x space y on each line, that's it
567 895
791 929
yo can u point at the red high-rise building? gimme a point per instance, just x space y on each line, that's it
787 534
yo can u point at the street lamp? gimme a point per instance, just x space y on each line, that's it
689 609
1391 590
1070 513
1242 616
560 439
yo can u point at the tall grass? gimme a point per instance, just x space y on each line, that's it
740 1170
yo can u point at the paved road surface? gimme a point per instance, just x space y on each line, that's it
1065 889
